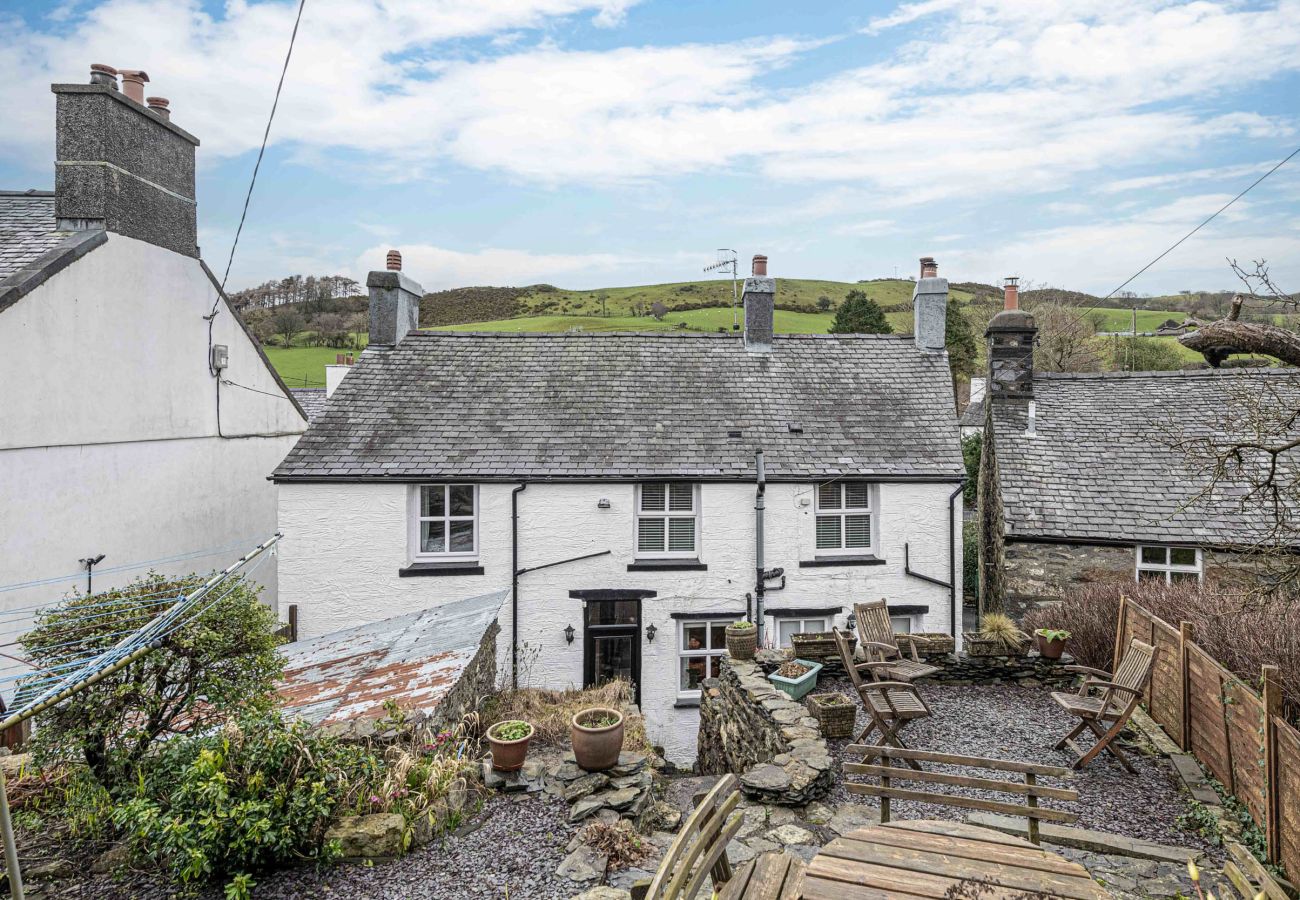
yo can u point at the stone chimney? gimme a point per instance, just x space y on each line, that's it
1011 335
759 298
394 303
122 166
930 308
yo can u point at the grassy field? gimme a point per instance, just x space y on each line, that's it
1122 319
304 366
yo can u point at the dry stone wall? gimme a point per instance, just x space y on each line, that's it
770 741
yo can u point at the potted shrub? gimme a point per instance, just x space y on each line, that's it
509 743
597 735
796 677
742 639
1051 642
999 635
836 713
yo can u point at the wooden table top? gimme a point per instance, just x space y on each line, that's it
926 858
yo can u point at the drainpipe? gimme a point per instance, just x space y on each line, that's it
514 584
758 543
955 602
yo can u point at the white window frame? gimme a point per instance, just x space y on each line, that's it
414 519
872 510
665 515
895 618
822 622
1167 568
709 650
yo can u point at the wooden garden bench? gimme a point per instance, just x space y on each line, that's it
880 644
890 704
879 762
1118 698
700 851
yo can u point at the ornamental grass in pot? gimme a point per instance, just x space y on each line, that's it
1051 642
742 640
597 736
999 635
509 743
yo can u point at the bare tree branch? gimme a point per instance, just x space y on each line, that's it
1218 340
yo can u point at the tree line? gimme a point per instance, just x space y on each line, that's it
295 289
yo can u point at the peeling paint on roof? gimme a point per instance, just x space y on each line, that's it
343 678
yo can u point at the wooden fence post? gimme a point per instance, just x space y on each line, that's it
1186 634
1269 676
293 622
1119 635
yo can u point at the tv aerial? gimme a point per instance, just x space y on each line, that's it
729 259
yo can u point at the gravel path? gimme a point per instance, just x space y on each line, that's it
1020 723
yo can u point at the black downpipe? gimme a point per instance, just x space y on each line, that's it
955 602
759 505
514 585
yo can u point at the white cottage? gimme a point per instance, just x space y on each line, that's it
138 420
612 482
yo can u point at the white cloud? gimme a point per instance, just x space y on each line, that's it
439 267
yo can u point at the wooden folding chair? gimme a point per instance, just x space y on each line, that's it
890 704
1119 697
880 644
700 848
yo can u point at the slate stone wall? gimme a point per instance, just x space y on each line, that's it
770 741
1028 671
477 682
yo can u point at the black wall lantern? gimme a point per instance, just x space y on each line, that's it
650 632
568 634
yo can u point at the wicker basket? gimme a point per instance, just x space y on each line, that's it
820 645
742 643
836 719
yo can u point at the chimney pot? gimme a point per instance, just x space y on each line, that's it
759 266
102 74
133 82
394 261
929 268
1011 293
160 106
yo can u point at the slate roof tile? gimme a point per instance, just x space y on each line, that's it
26 229
587 405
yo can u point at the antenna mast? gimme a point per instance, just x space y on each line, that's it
728 258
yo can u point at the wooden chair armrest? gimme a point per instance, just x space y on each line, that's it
916 638
874 664
876 645
1087 670
1112 686
887 686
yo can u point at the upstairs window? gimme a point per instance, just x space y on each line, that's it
445 524
667 522
1168 564
845 518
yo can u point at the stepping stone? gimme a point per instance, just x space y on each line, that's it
584 864
787 835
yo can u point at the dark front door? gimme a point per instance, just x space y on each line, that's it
612 643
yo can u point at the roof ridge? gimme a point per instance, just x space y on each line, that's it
670 335
1169 373
32 192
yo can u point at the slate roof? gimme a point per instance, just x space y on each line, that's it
973 415
1101 464
340 681
592 405
26 229
312 400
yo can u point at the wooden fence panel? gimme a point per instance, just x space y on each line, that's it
1244 713
1288 793
1210 742
1165 695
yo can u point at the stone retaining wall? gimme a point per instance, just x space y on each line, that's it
770 741
1030 671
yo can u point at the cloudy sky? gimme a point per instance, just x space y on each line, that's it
597 142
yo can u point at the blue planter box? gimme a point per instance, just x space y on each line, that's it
797 687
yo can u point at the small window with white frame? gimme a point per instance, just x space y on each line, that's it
1168 564
901 624
702 644
667 520
845 518
786 628
445 522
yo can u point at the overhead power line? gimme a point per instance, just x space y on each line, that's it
262 151
1207 221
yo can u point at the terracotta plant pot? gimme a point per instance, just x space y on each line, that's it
742 643
1050 649
508 756
596 747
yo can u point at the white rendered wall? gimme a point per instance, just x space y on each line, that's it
108 429
344 545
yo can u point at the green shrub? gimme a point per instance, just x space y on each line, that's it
257 794
222 661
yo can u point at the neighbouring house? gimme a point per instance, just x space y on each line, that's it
610 483
971 419
138 419
1092 483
